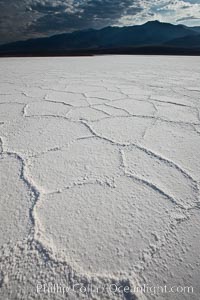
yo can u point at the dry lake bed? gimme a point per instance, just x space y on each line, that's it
99 178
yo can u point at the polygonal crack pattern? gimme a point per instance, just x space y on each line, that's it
100 172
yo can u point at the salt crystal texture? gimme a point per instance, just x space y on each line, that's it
99 175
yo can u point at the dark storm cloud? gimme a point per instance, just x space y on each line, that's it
46 8
70 15
187 18
58 23
15 20
21 19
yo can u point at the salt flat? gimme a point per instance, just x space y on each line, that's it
99 176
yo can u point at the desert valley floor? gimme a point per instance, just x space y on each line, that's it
99 177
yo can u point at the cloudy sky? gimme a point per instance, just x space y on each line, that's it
22 19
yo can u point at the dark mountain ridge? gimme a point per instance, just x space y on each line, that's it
187 41
149 35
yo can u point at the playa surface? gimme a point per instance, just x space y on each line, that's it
99 177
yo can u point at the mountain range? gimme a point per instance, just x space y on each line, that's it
152 37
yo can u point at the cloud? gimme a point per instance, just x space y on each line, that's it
15 20
184 11
47 6
188 18
70 15
166 11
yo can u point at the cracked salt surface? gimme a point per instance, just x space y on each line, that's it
10 111
107 228
83 161
122 130
178 142
32 135
15 202
45 108
99 175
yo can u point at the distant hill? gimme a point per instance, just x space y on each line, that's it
152 35
185 42
196 28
